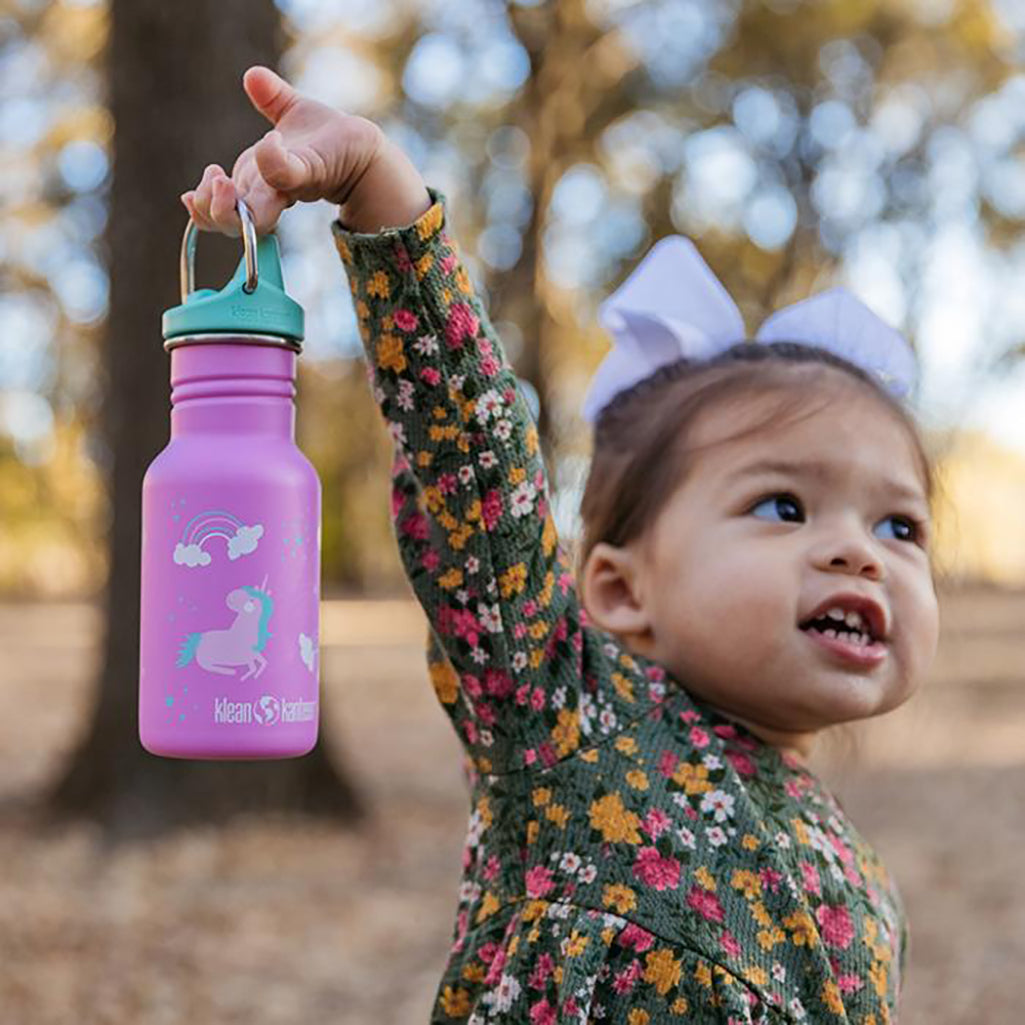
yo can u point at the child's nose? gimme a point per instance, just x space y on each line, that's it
851 553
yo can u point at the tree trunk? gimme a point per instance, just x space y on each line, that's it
177 102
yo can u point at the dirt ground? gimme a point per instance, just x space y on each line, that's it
272 923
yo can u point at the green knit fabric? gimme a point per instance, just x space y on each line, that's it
633 857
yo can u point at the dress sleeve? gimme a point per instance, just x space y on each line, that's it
509 651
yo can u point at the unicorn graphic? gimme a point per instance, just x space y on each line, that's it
241 643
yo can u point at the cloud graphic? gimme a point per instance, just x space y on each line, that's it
190 555
244 541
307 650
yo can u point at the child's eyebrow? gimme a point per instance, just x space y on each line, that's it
820 471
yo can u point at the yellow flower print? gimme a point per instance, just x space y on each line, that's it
662 970
423 459
803 929
557 814
619 897
693 778
484 764
704 878
362 310
638 1017
541 796
473 972
513 580
423 265
439 412
831 997
463 280
703 975
623 686
576 944
438 433
517 475
747 882
750 843
761 916
549 535
532 829
484 808
429 222
458 539
343 249
615 822
801 831
445 518
530 439
627 662
769 938
455 1003
590 756
433 498
877 976
679 1006
378 285
452 579
387 323
538 629
757 976
626 745
488 906
537 656
566 734
534 909
389 353
637 779
445 681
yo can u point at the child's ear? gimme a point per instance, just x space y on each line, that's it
612 590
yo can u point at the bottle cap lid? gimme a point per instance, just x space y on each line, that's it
254 301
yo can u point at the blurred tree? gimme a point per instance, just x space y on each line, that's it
177 104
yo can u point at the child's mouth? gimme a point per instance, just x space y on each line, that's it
857 649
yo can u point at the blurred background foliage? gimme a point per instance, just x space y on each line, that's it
876 143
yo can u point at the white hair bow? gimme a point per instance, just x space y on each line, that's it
673 306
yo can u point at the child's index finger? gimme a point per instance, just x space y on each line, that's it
269 93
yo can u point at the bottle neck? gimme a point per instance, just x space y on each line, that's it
233 387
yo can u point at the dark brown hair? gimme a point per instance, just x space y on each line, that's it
641 452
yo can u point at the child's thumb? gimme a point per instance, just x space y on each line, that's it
278 166
268 92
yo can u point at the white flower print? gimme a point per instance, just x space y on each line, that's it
587 874
479 655
490 617
836 872
491 587
570 862
466 474
398 432
457 381
462 595
379 395
711 762
486 738
779 972
519 661
503 429
607 720
716 836
796 1008
558 697
719 802
501 999
469 891
782 840
610 649
472 564
521 501
488 405
426 345
487 459
687 838
405 396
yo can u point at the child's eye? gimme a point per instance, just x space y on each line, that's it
908 529
782 505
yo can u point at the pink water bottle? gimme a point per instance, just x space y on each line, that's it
229 659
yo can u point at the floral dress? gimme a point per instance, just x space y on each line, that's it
633 856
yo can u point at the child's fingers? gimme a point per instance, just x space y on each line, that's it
223 214
279 167
269 93
201 196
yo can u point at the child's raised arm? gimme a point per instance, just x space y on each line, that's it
525 680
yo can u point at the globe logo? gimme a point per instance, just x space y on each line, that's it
267 710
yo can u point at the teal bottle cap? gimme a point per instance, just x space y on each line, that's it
254 301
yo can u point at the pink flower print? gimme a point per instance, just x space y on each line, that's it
636 937
741 762
472 686
459 623
841 849
489 366
402 258
448 262
529 756
461 322
793 789
812 883
523 694
690 716
849 983
447 483
667 763
530 608
495 971
835 925
705 903
539 881
770 879
625 980
520 631
729 944
430 375
726 732
492 867
542 1013
655 823
539 976
652 869
537 699
405 320
470 729
430 560
488 951
415 525
548 755
497 683
698 737
655 673
491 508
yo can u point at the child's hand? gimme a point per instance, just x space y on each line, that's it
313 152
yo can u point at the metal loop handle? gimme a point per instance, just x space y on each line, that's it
187 266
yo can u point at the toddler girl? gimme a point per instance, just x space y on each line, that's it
646 843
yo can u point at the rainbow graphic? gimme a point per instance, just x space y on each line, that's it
242 539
